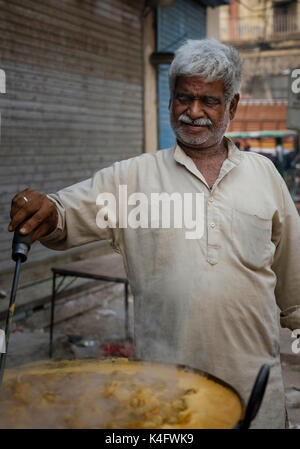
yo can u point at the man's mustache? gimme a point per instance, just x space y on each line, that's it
198 122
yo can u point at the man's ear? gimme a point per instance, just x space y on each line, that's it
233 106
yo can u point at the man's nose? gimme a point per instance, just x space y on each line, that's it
196 110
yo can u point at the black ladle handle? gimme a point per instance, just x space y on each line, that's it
20 247
21 244
256 396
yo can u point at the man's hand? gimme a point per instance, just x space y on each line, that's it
36 210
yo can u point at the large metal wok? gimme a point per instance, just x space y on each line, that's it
72 395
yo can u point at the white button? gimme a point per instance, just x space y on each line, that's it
212 225
211 200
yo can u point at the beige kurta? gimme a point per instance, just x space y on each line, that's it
210 303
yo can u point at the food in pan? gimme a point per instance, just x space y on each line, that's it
114 393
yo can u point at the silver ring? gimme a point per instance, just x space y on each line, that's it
24 197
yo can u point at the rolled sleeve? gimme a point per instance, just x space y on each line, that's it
59 233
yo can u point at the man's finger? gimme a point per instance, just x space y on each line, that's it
26 192
19 200
36 219
20 194
21 216
21 204
23 209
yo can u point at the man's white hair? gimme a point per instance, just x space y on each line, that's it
211 60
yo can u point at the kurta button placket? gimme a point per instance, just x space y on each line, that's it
212 234
212 215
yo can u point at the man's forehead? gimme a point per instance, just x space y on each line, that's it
189 83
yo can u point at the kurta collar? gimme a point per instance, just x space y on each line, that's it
234 157
234 154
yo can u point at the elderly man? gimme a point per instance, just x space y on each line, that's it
209 302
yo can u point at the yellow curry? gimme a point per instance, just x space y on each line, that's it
114 393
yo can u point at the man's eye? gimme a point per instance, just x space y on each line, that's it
211 100
183 99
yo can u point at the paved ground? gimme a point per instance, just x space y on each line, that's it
105 323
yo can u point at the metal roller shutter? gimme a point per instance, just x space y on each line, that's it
73 101
185 19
